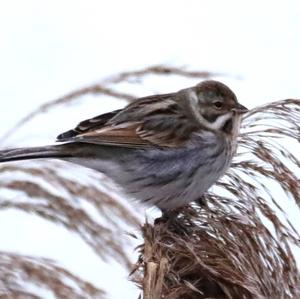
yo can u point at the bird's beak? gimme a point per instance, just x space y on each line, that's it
240 109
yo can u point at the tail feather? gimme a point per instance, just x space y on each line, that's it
51 151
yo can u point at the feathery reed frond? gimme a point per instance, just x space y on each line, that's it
73 206
28 277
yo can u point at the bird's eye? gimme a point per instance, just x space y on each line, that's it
218 104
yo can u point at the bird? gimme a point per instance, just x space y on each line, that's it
163 150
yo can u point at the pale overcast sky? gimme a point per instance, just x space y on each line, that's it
48 48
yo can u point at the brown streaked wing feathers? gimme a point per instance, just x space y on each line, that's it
135 126
140 135
120 135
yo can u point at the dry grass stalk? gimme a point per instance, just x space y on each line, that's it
161 70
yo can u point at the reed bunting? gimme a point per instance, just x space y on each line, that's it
164 150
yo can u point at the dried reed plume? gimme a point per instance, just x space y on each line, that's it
18 273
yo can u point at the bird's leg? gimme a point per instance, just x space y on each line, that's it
201 201
173 221
167 216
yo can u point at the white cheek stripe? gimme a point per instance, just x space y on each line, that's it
194 104
193 97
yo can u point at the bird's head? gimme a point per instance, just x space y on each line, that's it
215 106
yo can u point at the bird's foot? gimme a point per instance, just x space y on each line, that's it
175 223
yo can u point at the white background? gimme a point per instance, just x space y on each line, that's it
48 48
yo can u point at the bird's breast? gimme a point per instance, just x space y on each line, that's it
174 177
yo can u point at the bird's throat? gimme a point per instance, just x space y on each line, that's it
228 126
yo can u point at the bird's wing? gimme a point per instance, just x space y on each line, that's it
147 122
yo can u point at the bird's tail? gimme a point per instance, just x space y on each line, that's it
51 151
